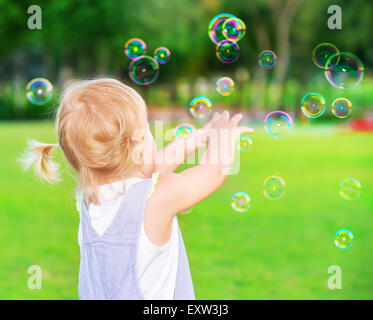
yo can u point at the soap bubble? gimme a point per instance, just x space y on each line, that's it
144 70
278 124
322 53
227 51
182 130
134 48
343 239
313 105
245 144
39 91
234 29
350 189
267 59
274 187
341 107
224 86
344 70
162 55
200 107
216 27
241 202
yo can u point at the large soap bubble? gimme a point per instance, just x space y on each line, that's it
344 70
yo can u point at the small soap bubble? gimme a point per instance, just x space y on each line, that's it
182 130
343 239
344 70
313 105
227 51
278 124
322 53
350 189
134 48
162 55
341 108
144 70
274 187
267 59
225 86
241 202
234 29
215 28
245 144
39 91
200 107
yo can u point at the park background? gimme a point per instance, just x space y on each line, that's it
278 249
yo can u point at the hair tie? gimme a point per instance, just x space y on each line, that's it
57 145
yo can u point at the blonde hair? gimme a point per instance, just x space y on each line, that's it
95 122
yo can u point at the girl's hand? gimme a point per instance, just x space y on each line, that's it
222 122
219 121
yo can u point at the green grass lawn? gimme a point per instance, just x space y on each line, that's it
279 249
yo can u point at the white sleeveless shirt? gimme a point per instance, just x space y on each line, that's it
156 266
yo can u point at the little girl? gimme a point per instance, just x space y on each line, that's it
128 195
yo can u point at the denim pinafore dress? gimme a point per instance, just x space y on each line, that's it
107 263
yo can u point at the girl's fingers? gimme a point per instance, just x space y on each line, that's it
225 115
246 129
236 118
216 116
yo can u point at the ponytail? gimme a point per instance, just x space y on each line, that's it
37 156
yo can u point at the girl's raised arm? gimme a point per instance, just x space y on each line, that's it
179 191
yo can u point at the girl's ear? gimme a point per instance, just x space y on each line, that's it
138 139
138 135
